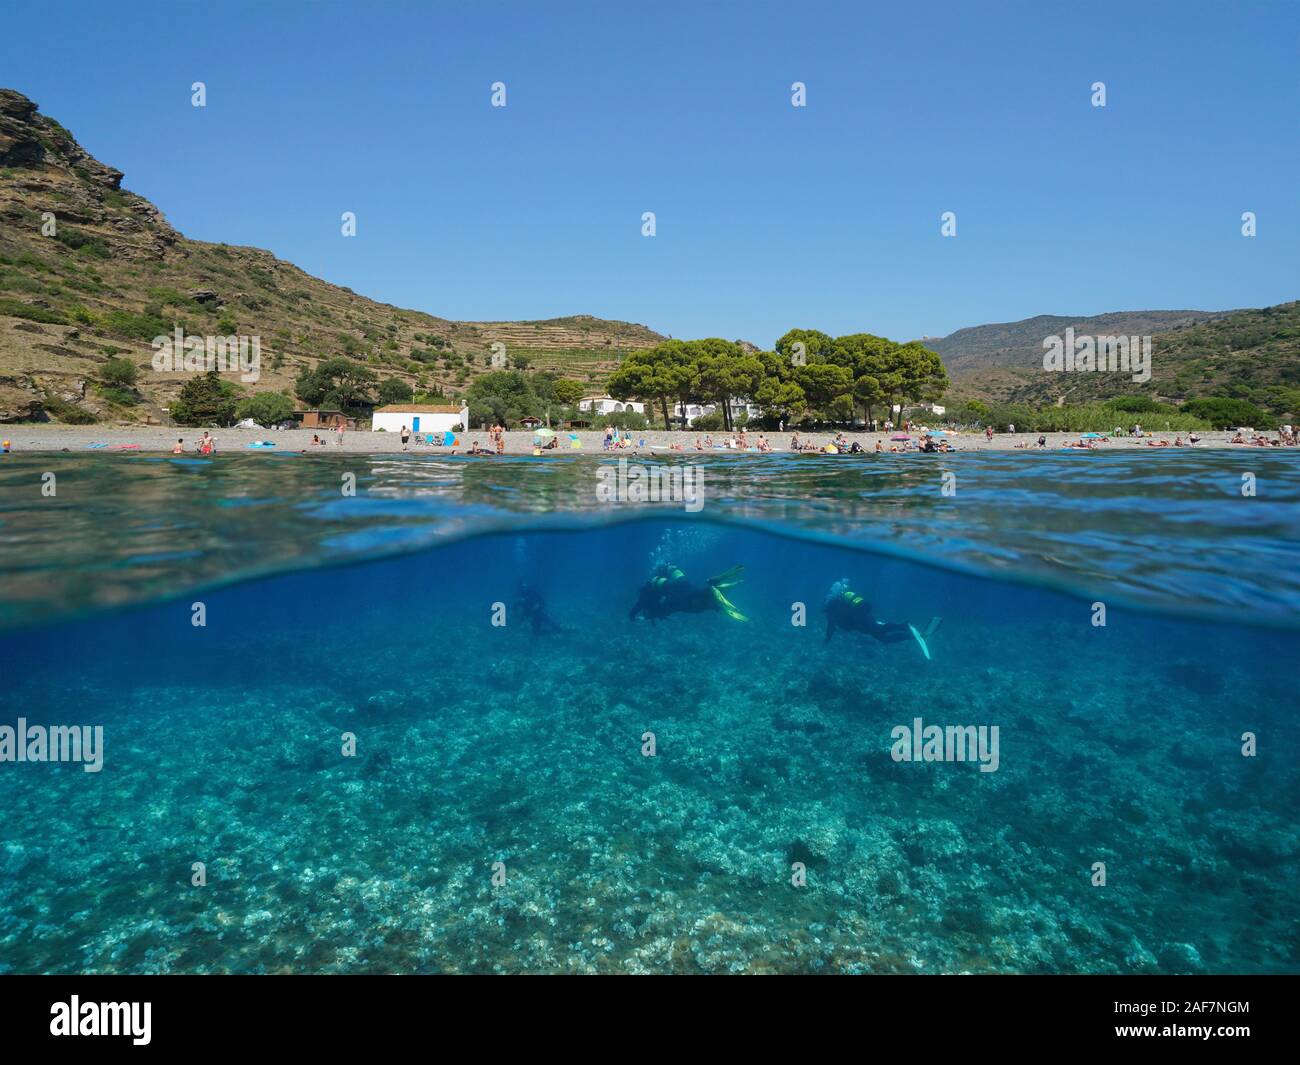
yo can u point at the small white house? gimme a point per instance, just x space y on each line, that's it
739 406
418 417
609 405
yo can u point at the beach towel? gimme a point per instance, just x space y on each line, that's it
448 439
262 443
128 447
90 447
574 441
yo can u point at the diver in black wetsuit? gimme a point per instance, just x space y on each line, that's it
845 609
669 592
529 602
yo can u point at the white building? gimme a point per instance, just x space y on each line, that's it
419 418
691 411
609 405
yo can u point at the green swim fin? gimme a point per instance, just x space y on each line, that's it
732 577
921 640
727 607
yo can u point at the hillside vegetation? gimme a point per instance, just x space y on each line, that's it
1251 356
1011 344
90 272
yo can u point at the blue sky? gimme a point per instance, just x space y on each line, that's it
768 216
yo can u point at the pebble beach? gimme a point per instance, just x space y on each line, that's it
163 439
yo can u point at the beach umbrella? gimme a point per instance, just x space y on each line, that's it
1092 435
543 432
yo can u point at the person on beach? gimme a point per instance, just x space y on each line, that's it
406 437
338 431
1042 440
880 448
207 444
847 610
179 448
668 592
988 433
794 443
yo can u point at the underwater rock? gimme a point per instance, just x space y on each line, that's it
1138 957
891 884
968 913
384 703
799 851
1181 958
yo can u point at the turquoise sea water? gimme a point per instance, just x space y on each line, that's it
328 615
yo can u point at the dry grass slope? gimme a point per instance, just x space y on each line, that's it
114 274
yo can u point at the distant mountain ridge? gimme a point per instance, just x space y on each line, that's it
1012 344
1253 355
113 274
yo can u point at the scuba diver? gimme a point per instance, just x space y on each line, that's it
669 592
529 602
845 609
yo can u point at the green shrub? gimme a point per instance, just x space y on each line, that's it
68 413
82 242
119 373
140 326
266 408
394 390
170 297
1224 413
206 400
121 396
15 309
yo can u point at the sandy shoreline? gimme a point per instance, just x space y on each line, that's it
25 438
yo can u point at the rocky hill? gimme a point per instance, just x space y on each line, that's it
91 272
985 347
1251 354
